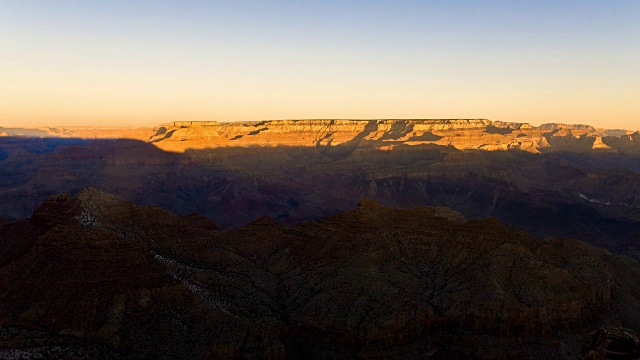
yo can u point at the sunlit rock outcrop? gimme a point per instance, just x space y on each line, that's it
463 134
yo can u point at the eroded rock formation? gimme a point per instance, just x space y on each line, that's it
463 134
371 282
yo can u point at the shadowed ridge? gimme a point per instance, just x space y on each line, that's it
373 282
372 208
585 196
55 209
202 221
449 214
91 195
94 208
264 220
91 272
368 204
89 205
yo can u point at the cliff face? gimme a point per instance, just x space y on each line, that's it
463 134
372 282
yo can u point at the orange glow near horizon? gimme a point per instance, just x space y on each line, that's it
89 64
75 103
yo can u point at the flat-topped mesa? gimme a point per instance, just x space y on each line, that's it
340 124
181 136
384 134
463 134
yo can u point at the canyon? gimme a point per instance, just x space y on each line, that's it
321 239
553 179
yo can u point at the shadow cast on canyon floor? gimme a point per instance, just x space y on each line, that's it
544 194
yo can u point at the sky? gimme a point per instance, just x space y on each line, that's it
146 62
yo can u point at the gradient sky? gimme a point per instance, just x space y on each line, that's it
141 63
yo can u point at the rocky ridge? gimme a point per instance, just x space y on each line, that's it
371 282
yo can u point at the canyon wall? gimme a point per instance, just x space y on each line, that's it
463 134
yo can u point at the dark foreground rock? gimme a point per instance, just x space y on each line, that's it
611 342
373 282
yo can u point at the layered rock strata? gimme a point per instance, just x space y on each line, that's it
463 134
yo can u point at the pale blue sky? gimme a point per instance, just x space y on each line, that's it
146 62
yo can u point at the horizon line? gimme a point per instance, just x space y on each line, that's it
302 119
